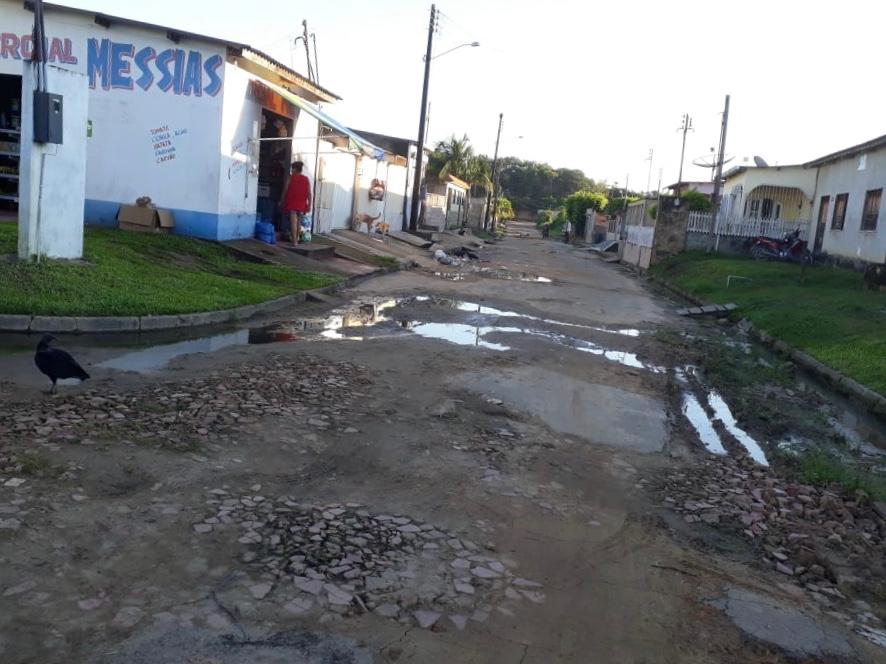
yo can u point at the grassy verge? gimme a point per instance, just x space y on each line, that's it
132 274
825 470
828 314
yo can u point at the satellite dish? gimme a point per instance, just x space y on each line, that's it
710 161
759 161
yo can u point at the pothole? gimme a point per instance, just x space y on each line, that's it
342 558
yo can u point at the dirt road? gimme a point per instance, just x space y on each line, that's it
436 470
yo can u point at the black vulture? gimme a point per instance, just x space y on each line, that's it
56 363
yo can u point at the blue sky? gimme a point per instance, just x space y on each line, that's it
587 84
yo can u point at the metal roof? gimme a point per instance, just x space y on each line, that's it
873 144
173 34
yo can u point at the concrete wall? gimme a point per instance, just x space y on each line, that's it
52 182
335 189
395 195
846 176
238 174
670 228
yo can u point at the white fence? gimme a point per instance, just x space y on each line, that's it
702 222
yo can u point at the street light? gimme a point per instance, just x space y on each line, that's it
419 153
454 48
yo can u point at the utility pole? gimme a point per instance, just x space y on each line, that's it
649 176
686 127
316 60
715 199
420 153
494 173
304 25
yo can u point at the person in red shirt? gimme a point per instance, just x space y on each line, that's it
296 198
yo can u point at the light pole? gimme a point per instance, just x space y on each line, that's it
420 151
455 48
494 171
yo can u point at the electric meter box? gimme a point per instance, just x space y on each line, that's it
48 117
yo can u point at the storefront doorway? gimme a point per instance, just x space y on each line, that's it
10 139
273 165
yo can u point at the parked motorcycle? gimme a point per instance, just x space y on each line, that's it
789 248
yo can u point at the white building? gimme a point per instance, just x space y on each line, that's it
848 191
175 116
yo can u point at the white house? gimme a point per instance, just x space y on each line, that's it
848 194
179 117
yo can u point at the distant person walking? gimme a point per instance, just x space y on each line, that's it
567 232
296 199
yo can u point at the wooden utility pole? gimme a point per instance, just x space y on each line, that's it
715 199
494 172
420 153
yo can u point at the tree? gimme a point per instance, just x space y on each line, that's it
505 209
698 202
616 205
478 173
451 157
579 203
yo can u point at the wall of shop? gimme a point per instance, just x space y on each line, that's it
155 112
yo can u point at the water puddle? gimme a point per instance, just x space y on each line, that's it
463 335
157 357
378 319
702 424
724 414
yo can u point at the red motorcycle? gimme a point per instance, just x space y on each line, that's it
789 248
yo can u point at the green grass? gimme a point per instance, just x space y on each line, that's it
126 273
388 262
828 315
824 470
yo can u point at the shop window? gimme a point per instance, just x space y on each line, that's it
871 210
839 218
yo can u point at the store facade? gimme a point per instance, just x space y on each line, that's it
173 116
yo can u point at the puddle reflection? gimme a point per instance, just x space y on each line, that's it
157 357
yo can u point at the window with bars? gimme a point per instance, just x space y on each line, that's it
839 218
871 210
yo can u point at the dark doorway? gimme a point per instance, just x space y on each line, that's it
10 138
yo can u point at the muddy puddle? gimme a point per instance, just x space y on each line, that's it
478 325
703 419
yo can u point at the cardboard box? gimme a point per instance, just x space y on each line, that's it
145 219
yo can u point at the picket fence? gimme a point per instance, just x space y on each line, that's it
702 222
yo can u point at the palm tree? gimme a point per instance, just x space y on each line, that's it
478 173
451 157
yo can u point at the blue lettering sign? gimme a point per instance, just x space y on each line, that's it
110 64
179 71
98 62
211 68
119 66
142 61
193 79
162 62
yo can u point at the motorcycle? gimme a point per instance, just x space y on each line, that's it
789 248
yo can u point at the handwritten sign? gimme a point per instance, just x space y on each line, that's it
161 140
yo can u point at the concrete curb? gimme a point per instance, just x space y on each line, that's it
111 324
873 401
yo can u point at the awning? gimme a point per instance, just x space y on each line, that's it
355 141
